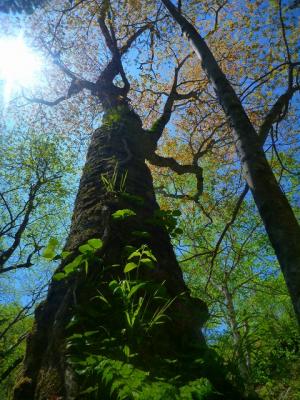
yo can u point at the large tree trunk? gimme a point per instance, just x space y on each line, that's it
120 141
277 215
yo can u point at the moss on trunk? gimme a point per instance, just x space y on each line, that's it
117 149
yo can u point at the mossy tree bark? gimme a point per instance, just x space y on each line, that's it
121 145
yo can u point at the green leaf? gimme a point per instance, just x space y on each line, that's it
101 297
72 266
130 266
135 288
126 350
49 252
149 254
129 320
89 390
95 243
122 214
136 253
65 254
75 336
148 262
113 284
59 276
90 333
86 266
53 242
85 248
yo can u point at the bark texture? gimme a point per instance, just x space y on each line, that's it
120 141
277 215
121 145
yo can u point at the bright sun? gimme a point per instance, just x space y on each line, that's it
19 65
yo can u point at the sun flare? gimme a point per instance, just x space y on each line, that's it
19 65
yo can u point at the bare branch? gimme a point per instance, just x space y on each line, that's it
160 124
288 53
7 208
5 255
27 264
63 12
134 36
276 113
279 158
10 369
227 226
217 12
24 312
103 27
45 102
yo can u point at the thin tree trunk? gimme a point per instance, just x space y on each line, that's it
237 339
277 215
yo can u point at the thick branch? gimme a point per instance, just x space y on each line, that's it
77 85
133 37
45 102
276 113
115 66
103 27
169 162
